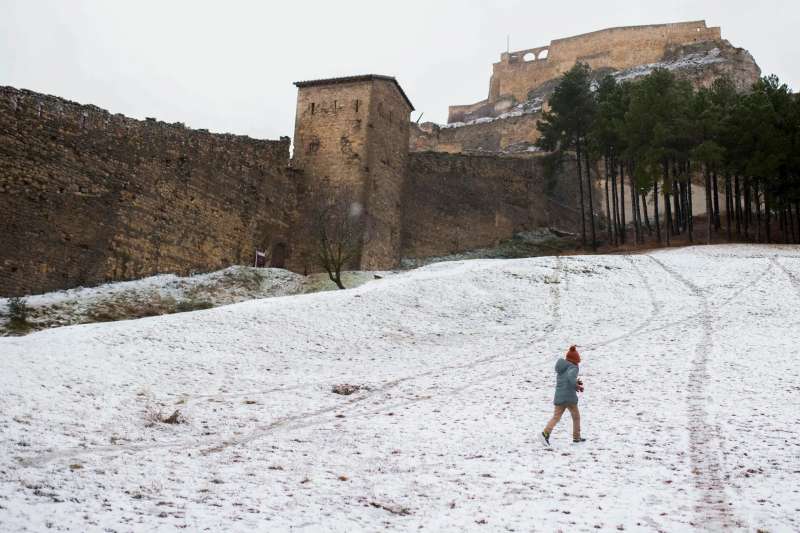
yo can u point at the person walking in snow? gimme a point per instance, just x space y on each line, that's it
566 398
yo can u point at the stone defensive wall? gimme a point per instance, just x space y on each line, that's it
508 135
88 197
518 72
457 202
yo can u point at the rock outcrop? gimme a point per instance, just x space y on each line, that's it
522 81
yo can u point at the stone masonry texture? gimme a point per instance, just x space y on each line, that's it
457 202
88 197
355 131
617 48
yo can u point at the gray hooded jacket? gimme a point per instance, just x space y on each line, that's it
566 380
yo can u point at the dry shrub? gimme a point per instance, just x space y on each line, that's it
154 415
346 389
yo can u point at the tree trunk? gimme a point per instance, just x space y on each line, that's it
623 233
608 204
716 200
684 203
787 238
591 198
655 213
665 190
757 201
689 201
335 276
637 220
746 213
580 191
617 229
709 208
795 222
738 207
680 190
687 191
677 217
687 206
781 214
728 205
767 217
646 215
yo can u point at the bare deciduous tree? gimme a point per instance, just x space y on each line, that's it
339 224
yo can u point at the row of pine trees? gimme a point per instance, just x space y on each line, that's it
659 134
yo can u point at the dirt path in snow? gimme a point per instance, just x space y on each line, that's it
713 511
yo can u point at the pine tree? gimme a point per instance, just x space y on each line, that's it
566 126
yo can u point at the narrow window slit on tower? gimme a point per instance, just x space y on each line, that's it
312 108
357 102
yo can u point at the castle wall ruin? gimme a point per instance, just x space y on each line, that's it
501 136
88 197
458 202
618 48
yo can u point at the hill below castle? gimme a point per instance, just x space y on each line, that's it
415 401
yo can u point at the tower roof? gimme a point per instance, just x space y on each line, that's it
352 79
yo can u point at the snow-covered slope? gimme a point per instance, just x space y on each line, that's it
690 410
166 294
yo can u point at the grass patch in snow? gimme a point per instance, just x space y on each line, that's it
160 295
167 293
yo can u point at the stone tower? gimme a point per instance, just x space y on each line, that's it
354 131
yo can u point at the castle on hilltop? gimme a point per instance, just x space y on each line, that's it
519 72
89 197
522 81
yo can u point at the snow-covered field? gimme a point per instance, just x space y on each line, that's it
690 411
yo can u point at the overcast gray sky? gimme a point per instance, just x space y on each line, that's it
229 65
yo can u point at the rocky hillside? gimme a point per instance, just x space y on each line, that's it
514 130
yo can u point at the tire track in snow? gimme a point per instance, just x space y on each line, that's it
518 354
555 313
552 326
660 326
793 278
555 319
714 510
310 418
642 327
305 419
655 309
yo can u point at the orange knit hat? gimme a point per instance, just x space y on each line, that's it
573 356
